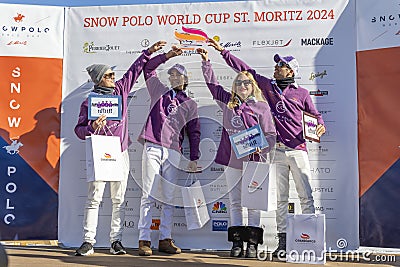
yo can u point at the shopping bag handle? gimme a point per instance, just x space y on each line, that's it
262 158
192 177
104 128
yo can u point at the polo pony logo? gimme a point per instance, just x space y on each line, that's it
13 148
19 17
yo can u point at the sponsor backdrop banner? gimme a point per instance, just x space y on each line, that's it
319 34
31 50
378 128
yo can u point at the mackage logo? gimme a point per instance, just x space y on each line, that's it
316 41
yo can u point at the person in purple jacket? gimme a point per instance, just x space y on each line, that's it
104 84
287 101
243 107
172 113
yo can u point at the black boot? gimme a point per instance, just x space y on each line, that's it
281 249
235 235
254 237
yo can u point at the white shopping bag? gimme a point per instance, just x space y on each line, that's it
305 238
195 207
162 190
103 158
259 186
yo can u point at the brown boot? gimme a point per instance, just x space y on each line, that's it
145 248
167 245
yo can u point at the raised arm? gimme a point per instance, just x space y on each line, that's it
153 83
152 65
213 85
238 64
132 74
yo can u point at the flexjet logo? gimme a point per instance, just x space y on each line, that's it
328 41
266 43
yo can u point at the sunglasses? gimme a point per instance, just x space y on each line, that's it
281 64
109 75
245 82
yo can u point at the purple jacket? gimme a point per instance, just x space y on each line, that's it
170 116
122 87
286 106
244 116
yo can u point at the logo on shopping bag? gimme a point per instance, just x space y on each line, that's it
305 238
107 157
253 186
200 203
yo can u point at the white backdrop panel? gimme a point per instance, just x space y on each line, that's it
320 34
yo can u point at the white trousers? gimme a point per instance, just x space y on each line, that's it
234 182
94 198
158 160
296 162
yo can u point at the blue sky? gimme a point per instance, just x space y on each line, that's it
101 2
